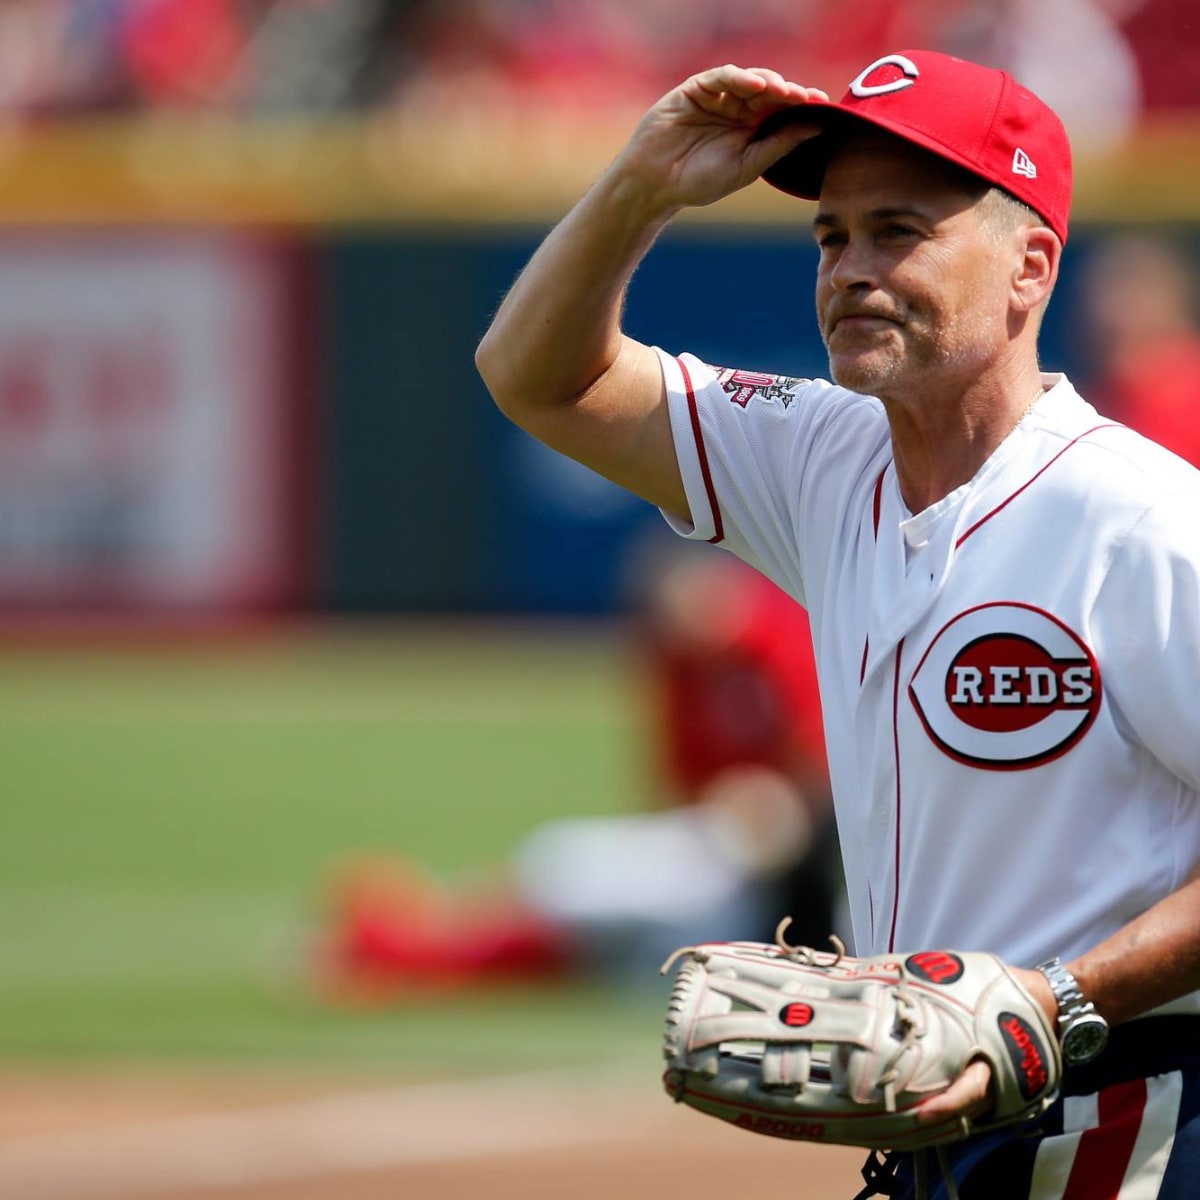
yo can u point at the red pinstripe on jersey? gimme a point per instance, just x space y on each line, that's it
1004 503
875 507
877 502
709 490
896 751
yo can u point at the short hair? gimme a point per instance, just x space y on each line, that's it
1002 213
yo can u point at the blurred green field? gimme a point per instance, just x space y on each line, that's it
170 811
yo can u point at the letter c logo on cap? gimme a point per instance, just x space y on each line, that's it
862 89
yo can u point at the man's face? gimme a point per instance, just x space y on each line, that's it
913 285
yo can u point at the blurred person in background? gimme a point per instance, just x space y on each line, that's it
813 32
559 55
544 55
318 56
1100 62
1140 314
264 55
61 56
1164 36
741 833
68 56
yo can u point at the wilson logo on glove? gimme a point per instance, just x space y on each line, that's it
1027 1056
796 1016
935 966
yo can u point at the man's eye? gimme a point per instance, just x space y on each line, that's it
894 230
828 241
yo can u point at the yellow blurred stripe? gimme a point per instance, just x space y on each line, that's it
408 166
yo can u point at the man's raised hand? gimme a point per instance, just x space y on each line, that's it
701 141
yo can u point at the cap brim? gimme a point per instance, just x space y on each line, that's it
801 171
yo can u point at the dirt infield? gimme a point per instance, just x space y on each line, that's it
208 1136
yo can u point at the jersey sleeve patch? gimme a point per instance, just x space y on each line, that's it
742 386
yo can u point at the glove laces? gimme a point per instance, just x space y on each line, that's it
806 954
879 1174
906 1019
879 1171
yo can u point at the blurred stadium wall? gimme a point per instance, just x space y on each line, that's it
236 342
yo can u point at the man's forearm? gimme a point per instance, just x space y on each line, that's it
1147 963
559 328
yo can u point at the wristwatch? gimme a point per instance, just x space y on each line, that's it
1082 1031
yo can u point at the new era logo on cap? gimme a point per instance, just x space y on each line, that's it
977 117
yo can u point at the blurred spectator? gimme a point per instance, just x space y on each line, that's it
325 55
60 54
541 53
313 55
1095 59
741 834
262 55
180 51
592 55
812 40
1141 324
1164 36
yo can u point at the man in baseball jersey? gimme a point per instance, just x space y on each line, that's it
1003 586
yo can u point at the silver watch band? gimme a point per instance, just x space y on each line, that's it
1082 1031
1066 989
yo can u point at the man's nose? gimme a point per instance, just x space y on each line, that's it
856 266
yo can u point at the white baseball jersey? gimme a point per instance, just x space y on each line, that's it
1009 678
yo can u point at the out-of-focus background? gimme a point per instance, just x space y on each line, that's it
288 613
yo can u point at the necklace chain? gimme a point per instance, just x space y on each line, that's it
1029 407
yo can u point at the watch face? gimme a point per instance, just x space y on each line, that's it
1084 1040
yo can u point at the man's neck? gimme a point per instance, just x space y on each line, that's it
939 442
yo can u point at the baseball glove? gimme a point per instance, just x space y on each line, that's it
795 1043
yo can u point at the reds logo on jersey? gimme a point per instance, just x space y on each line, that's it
1006 686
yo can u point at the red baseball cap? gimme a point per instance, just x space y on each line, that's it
977 117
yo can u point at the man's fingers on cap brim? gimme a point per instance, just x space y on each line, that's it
737 81
787 89
748 82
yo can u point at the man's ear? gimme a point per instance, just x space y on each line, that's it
1034 279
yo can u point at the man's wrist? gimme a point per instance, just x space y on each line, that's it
638 196
1082 1031
1039 988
